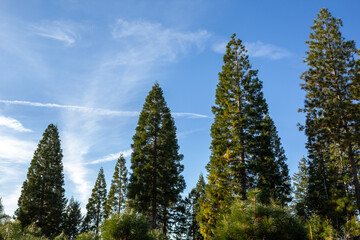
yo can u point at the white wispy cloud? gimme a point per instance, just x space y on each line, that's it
266 50
257 49
58 30
154 42
10 200
75 147
16 150
13 124
111 157
96 111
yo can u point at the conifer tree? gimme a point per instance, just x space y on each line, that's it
96 205
3 216
194 199
245 147
156 181
42 197
73 219
117 195
332 118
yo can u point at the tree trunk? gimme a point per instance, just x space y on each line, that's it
354 172
154 194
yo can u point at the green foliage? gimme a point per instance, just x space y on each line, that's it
250 219
90 235
42 197
157 234
301 181
63 236
96 205
14 230
3 216
320 228
156 181
73 219
117 195
127 225
245 147
192 210
332 123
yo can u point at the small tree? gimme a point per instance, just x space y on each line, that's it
3 216
118 190
96 205
127 225
73 219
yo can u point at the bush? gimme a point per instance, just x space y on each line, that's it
90 235
252 220
13 230
128 225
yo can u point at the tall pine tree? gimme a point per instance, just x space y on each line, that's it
42 199
156 181
117 195
245 147
332 105
96 205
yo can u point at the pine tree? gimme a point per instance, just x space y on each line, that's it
301 181
96 205
194 199
332 117
73 219
3 216
245 147
156 181
42 197
117 195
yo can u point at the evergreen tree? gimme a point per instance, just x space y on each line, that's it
118 190
96 205
193 201
332 120
245 148
42 197
73 219
156 181
3 216
301 181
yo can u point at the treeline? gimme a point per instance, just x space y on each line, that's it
247 194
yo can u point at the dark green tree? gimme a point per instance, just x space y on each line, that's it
3 216
332 106
42 197
73 219
301 180
193 201
245 148
117 195
96 205
127 225
156 181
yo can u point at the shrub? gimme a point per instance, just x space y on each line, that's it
128 225
252 220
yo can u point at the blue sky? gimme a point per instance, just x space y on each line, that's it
87 66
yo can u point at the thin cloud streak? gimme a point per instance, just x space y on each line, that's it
97 111
154 43
111 157
257 49
57 30
13 124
